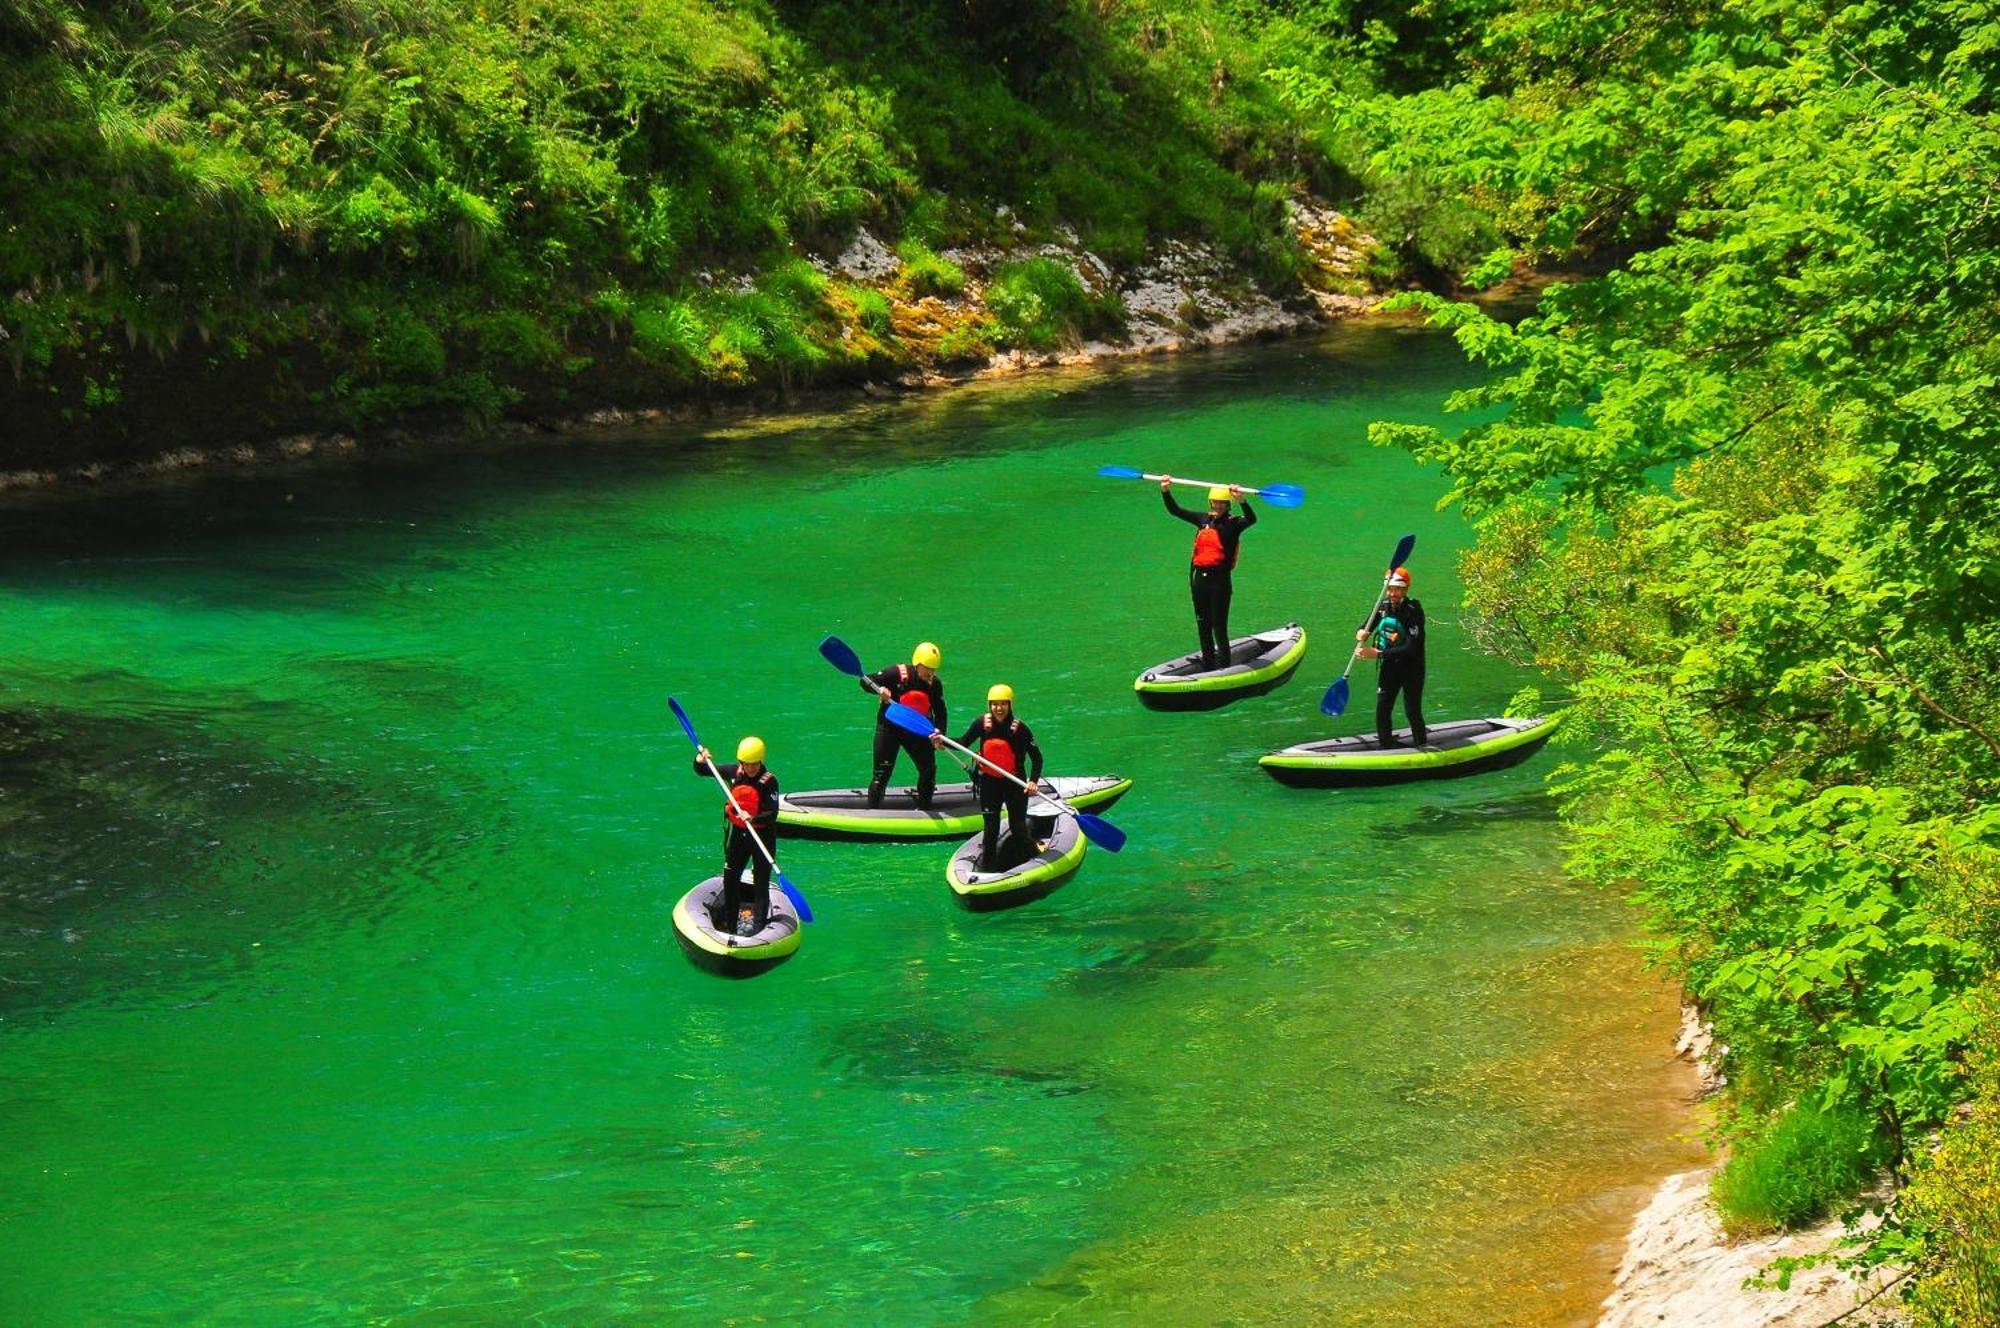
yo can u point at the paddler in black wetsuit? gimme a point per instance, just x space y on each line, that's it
753 799
1004 740
916 685
1401 650
1217 539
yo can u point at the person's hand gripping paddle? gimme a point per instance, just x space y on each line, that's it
1335 700
784 882
1095 828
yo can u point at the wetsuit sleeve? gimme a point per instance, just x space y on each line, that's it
879 678
937 699
726 769
1402 648
1167 497
1374 616
1249 515
1025 746
766 819
970 738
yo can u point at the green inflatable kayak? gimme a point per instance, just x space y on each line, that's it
1256 665
713 949
953 813
1461 747
1055 860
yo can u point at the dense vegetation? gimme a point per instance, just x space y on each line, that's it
1744 498
1741 498
358 210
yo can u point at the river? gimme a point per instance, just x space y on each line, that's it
341 817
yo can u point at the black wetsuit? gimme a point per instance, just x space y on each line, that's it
737 850
995 792
1402 670
1210 587
902 681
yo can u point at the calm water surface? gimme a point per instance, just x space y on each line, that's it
341 816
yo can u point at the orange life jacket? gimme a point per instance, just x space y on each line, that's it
744 804
1208 551
998 750
916 698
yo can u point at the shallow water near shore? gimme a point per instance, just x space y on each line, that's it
343 817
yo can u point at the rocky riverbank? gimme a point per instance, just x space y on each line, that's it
1184 296
1681 1270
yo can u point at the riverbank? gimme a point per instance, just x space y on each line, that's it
916 334
1680 1267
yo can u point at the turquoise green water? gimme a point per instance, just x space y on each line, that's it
343 817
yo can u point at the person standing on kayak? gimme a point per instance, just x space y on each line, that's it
916 685
1217 537
753 803
1398 624
1000 737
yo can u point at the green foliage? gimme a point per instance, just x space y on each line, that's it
252 173
1795 1172
925 273
1041 303
1947 1223
1737 492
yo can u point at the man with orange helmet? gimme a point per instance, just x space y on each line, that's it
1398 621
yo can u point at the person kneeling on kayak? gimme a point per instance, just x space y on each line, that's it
1398 626
753 804
1217 541
1000 737
916 685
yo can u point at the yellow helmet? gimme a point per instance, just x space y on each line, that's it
999 691
750 749
1221 493
927 655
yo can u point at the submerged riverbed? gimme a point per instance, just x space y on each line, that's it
343 817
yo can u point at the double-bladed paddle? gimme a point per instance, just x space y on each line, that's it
784 882
841 655
1335 700
1278 495
1095 828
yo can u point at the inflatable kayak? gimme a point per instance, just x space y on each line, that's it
717 949
1058 854
1256 665
1462 747
954 809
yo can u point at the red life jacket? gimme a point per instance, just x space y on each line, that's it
916 698
998 750
744 804
1208 551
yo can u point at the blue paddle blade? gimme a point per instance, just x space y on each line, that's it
1283 495
841 655
798 900
903 717
1335 700
1403 547
687 725
1120 473
1100 832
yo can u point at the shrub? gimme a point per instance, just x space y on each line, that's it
925 273
1794 1173
1040 303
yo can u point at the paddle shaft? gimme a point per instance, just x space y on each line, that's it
1005 774
1200 484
